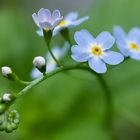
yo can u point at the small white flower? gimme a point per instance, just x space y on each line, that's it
47 21
39 62
6 71
7 97
51 64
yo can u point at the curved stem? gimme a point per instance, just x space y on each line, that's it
24 82
109 102
48 75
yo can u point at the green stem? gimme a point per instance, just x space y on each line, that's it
108 122
48 75
108 98
23 82
48 37
53 56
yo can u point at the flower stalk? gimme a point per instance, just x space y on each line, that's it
48 37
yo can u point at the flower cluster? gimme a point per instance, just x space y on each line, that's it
46 21
96 51
9 120
93 50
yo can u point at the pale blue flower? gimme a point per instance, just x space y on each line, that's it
95 51
45 20
128 44
51 64
69 21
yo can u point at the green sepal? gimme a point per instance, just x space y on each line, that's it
42 69
65 34
3 107
47 36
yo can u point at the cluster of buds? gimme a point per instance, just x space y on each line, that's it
9 120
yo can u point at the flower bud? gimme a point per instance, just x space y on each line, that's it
9 74
6 97
47 36
6 71
40 63
2 108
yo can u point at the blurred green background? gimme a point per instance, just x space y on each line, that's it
69 107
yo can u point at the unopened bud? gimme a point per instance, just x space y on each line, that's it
2 108
6 71
6 97
9 74
40 63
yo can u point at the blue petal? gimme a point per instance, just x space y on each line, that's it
56 14
80 54
40 32
36 19
79 49
134 35
112 58
123 48
121 40
80 57
96 64
119 33
105 39
36 73
135 56
44 15
45 25
84 38
79 21
56 30
71 16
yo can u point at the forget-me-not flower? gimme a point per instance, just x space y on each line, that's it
129 45
50 63
69 21
95 51
46 20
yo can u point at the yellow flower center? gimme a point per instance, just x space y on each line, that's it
63 23
96 50
46 29
134 46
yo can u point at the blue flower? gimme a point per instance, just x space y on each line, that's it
129 45
50 63
45 20
95 51
69 21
